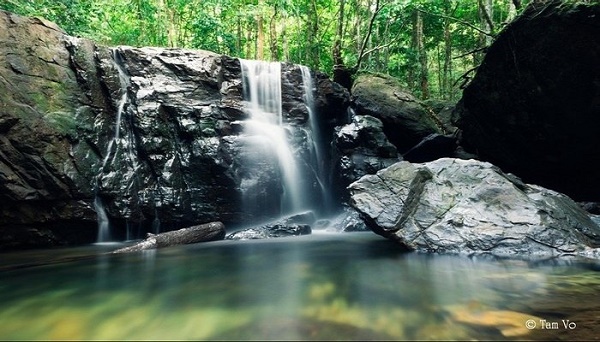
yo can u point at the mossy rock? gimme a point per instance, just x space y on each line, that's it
405 120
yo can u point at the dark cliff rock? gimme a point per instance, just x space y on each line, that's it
467 206
361 148
153 133
40 190
533 108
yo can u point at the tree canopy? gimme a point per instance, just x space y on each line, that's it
430 45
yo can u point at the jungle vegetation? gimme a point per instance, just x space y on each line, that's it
431 46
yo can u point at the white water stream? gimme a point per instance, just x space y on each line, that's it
262 82
111 151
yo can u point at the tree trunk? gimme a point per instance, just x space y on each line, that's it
238 41
420 75
424 73
447 71
260 41
284 39
486 8
337 45
314 49
341 73
205 232
274 46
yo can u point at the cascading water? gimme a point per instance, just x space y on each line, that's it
285 140
268 131
111 151
319 162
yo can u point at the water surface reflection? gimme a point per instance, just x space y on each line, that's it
352 286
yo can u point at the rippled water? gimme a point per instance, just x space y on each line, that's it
352 286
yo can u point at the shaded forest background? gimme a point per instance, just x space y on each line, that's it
431 46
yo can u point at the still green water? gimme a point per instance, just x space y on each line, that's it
352 286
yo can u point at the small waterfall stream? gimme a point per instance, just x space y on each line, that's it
319 164
104 234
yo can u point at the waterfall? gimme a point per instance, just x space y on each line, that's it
111 151
268 131
319 163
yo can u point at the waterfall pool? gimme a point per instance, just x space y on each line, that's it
344 286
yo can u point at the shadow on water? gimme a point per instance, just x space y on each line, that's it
350 286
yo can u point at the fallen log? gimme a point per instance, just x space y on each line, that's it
201 233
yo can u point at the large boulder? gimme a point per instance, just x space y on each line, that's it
468 206
533 108
406 121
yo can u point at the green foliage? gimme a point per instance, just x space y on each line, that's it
298 31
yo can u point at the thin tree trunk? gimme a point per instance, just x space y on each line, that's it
411 74
284 38
449 94
337 45
260 41
315 31
423 72
486 8
274 46
238 41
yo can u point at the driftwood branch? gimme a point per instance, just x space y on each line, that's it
205 232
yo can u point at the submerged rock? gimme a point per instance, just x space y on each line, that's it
467 206
270 231
201 233
294 225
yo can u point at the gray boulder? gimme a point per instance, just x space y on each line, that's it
467 206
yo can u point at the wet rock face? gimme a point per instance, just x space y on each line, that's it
361 148
39 102
155 133
181 155
467 206
533 107
295 225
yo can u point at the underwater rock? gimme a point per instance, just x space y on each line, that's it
201 233
510 323
468 206
270 231
293 225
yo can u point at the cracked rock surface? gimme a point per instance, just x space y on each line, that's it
468 206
